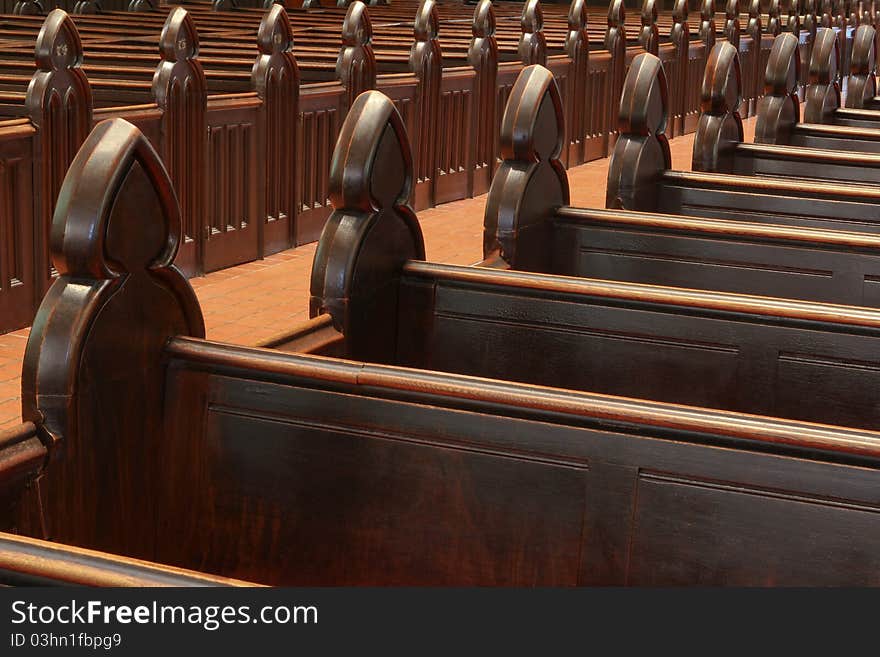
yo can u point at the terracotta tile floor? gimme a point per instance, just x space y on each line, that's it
251 302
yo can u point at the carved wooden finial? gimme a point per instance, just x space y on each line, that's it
531 181
532 43
641 153
680 11
578 37
720 127
721 92
616 31
617 14
274 35
179 40
732 27
59 97
276 63
357 28
483 47
180 76
98 208
825 62
862 82
779 110
649 36
679 32
372 231
426 25
810 23
707 23
356 63
275 78
59 46
93 368
484 24
577 15
823 90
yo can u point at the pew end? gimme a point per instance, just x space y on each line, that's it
823 91
372 231
720 127
531 182
23 457
779 110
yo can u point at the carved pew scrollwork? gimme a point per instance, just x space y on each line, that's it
356 63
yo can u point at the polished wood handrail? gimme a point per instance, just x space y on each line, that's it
721 226
725 302
835 442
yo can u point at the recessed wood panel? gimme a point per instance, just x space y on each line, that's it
696 532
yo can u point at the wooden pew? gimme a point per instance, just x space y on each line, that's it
719 146
529 225
306 469
640 175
